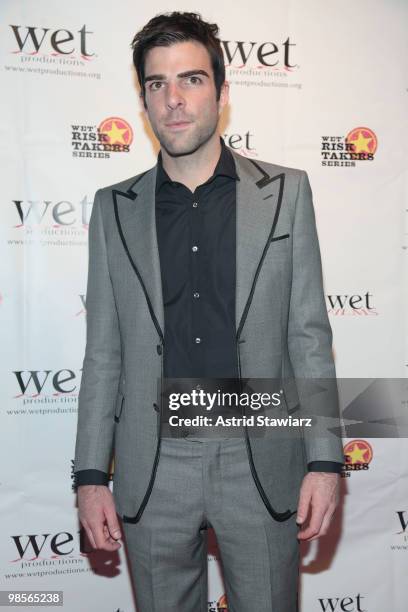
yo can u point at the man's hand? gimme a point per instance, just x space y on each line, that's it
319 493
97 514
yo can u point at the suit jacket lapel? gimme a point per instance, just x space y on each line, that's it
136 219
259 198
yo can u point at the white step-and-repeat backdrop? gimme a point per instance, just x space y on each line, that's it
315 85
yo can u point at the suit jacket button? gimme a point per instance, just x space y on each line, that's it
159 349
155 406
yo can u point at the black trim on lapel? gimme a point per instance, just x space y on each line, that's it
261 183
266 178
132 195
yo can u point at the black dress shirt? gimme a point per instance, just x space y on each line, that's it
196 234
196 240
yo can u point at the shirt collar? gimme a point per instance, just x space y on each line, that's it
225 167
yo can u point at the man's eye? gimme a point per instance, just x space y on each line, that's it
153 85
194 79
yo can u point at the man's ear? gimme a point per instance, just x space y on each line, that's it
224 97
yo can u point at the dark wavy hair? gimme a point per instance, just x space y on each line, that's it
169 28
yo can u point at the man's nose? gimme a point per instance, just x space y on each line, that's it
174 97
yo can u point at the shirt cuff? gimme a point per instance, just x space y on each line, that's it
325 466
91 477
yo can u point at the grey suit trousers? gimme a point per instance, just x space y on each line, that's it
204 483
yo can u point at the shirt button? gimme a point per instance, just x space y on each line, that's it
196 294
197 340
195 204
194 248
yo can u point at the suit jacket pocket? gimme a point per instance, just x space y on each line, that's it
282 237
119 406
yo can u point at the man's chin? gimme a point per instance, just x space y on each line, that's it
182 144
178 149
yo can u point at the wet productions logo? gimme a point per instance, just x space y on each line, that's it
400 542
82 311
351 304
241 142
261 63
50 223
349 603
358 455
112 135
45 392
359 145
47 554
57 50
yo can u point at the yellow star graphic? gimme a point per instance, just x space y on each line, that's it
361 143
115 134
357 454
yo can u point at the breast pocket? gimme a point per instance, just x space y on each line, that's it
279 246
282 237
120 400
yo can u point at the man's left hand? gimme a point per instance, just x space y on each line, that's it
319 495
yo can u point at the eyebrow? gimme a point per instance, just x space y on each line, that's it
181 75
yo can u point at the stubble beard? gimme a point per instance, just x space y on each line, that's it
188 142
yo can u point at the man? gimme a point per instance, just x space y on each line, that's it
205 266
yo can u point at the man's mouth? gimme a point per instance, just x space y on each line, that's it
177 125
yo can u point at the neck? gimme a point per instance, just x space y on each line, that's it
193 170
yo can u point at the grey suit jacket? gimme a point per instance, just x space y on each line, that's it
282 333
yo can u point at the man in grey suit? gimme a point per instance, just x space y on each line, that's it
205 266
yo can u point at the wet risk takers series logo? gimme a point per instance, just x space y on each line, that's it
112 135
358 455
359 145
219 605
